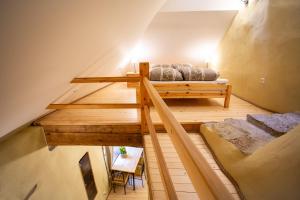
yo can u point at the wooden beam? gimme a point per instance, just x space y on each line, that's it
167 181
227 98
207 184
94 139
94 106
119 128
105 79
192 127
144 99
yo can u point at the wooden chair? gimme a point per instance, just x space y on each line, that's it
119 178
139 171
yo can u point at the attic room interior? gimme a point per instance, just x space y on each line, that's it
150 99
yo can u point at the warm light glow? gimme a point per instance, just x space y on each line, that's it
137 54
202 52
205 53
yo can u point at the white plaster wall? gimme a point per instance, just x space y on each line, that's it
44 44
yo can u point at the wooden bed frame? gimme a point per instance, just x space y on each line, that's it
190 89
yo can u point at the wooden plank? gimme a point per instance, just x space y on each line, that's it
207 184
161 161
105 79
227 98
171 86
94 139
94 106
182 95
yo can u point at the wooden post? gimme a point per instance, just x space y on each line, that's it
227 97
144 99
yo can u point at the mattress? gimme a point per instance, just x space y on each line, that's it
218 81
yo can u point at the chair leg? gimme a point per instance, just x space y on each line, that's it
125 189
114 187
142 181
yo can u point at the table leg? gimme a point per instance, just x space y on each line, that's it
133 182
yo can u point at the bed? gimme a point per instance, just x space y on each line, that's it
178 89
194 89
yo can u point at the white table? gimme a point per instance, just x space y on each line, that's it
129 163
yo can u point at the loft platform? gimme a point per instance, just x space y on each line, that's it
114 116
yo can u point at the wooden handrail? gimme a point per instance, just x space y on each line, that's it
105 79
94 106
170 190
207 184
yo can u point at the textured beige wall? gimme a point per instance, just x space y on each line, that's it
25 161
264 43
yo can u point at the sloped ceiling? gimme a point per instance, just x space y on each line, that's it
200 5
44 44
185 37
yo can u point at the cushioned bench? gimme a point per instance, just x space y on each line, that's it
271 172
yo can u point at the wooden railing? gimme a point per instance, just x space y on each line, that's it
99 105
207 184
162 165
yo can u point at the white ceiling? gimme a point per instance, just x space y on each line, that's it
200 5
185 37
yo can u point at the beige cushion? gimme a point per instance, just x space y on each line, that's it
272 172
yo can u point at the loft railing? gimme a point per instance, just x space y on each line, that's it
207 184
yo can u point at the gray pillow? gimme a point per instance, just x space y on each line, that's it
165 74
180 67
199 74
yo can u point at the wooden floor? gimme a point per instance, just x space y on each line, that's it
185 110
140 192
180 179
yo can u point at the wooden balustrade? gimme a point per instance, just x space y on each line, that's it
105 79
207 184
94 106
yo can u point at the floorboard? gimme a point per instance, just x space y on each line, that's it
185 110
180 179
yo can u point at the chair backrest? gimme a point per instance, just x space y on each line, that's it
141 161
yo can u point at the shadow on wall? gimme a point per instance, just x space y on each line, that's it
31 137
